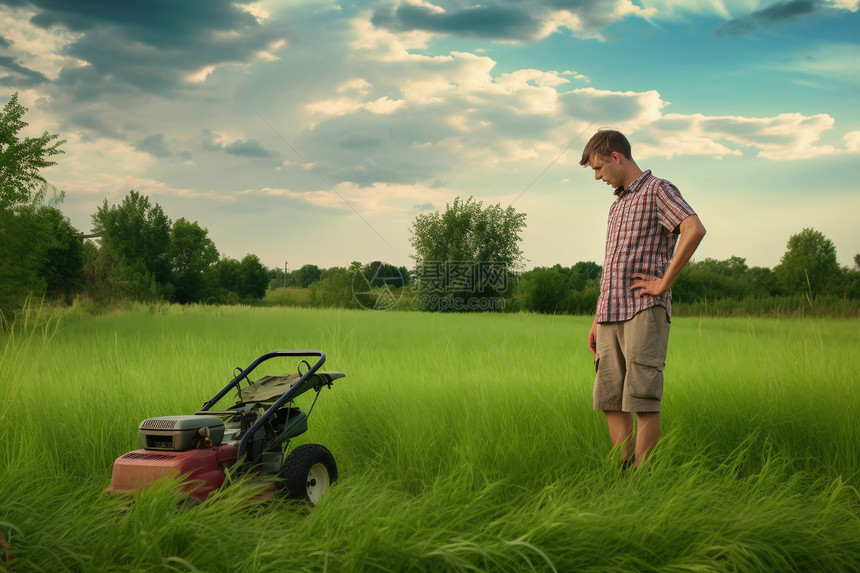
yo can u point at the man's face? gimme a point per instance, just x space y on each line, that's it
608 169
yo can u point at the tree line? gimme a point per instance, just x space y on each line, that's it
467 253
807 276
454 247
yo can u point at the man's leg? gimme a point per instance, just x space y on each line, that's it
645 344
647 434
621 432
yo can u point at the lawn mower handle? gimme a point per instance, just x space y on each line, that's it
288 395
274 354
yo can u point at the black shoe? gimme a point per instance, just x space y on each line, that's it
628 463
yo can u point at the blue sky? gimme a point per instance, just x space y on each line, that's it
315 132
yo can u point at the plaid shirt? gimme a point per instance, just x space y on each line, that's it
640 238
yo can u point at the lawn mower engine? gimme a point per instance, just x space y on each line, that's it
174 446
256 431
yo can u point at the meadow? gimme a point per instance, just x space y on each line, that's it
465 442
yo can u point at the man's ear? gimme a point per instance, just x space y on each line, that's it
616 157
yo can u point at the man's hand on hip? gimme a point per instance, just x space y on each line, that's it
647 284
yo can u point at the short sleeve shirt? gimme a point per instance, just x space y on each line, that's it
640 238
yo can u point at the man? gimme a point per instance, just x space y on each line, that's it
648 223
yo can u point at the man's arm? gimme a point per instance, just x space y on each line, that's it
692 232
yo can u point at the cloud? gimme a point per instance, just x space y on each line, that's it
852 141
516 21
31 53
379 117
154 145
234 146
782 13
248 148
18 75
770 17
456 116
115 187
850 5
507 20
370 200
490 21
785 137
158 46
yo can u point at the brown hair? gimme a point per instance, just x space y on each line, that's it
603 143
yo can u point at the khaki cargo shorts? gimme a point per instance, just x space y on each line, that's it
629 364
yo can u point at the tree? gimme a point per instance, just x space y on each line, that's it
851 280
464 254
39 250
63 264
19 260
335 287
191 253
223 281
809 265
468 232
135 247
306 275
380 273
230 281
762 282
712 279
254 278
22 161
543 289
584 274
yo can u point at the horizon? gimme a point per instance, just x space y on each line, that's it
315 132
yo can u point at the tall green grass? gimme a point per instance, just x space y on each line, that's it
464 443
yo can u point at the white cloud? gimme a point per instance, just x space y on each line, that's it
784 137
36 48
674 9
359 85
344 106
852 141
200 76
850 5
626 8
373 200
450 116
257 10
89 158
626 111
114 187
385 45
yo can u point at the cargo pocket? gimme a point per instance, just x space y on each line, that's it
645 377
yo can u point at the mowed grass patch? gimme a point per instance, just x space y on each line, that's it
464 442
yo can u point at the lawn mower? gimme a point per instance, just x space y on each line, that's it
256 431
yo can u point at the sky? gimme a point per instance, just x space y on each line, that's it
315 132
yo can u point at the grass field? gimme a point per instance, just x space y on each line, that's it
464 443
